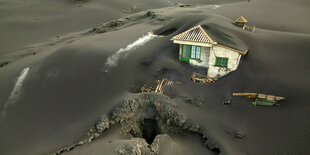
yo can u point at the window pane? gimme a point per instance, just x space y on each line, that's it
198 52
218 61
193 51
226 61
221 62
186 51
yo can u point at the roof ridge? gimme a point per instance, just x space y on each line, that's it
206 34
203 33
185 31
241 19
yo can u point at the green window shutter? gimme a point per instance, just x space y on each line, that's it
218 61
222 62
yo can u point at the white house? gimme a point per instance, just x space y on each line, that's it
197 48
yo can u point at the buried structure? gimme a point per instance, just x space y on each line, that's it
197 48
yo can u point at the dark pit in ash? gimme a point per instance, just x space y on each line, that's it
149 129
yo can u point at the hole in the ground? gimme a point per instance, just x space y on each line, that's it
149 129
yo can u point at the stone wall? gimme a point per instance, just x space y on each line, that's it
204 58
233 61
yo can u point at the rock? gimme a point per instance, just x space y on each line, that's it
81 143
136 146
227 102
162 143
114 23
210 144
91 138
102 124
239 135
150 13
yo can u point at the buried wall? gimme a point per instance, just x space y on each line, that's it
233 61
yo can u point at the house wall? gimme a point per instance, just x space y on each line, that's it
204 58
205 52
180 51
208 56
233 61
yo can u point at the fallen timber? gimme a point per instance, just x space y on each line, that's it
262 99
159 87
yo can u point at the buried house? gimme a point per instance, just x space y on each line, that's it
197 48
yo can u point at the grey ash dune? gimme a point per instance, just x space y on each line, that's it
67 89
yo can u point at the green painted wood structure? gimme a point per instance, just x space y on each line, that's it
190 52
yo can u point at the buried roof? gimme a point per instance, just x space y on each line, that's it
241 19
198 34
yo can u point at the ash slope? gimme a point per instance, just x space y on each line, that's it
67 88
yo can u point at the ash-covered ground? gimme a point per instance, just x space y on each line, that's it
69 84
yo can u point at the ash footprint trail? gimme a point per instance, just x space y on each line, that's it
17 90
122 53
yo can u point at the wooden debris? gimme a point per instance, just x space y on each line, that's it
196 77
145 88
262 99
159 87
227 102
248 95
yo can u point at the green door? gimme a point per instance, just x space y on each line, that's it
186 49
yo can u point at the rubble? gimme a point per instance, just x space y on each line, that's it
159 87
210 144
196 77
118 23
135 146
239 135
102 124
227 102
161 141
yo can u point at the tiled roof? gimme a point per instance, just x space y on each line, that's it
195 34
241 19
198 34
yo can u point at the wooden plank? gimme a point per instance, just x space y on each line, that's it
245 94
262 96
271 98
279 98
